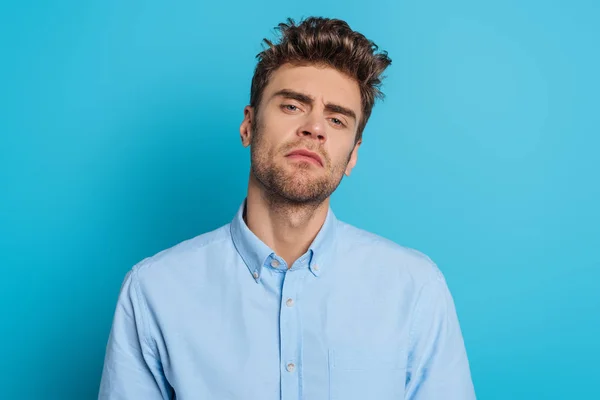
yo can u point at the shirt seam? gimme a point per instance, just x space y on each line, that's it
416 309
149 261
144 311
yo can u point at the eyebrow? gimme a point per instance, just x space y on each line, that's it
306 99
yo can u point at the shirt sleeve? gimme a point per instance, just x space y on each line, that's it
131 368
438 366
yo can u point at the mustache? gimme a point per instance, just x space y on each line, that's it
304 145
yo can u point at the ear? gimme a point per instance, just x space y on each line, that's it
246 126
353 158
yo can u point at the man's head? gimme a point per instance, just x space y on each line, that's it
312 91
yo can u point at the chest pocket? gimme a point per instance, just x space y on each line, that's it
365 373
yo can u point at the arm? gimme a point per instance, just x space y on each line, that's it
131 368
438 365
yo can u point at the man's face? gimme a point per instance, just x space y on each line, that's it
304 108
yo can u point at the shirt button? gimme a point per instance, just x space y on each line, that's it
291 367
274 263
289 302
255 275
316 267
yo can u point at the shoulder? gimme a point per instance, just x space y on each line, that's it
406 261
181 257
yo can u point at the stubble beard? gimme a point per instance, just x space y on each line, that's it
298 186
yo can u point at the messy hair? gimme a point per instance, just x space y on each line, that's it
327 42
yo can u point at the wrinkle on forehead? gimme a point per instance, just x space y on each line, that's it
314 80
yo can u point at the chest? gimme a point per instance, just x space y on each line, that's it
290 337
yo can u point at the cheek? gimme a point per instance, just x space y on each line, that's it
281 130
342 156
264 148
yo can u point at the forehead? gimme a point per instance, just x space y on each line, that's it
324 84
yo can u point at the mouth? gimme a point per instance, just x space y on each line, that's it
305 155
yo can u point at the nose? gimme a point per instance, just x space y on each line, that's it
313 127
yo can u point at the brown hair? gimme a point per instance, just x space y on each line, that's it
324 41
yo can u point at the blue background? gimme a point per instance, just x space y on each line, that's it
119 138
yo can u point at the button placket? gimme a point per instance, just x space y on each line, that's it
291 334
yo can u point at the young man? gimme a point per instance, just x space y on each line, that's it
286 301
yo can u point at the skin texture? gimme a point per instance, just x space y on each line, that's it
302 107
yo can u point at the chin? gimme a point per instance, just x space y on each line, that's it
303 198
304 190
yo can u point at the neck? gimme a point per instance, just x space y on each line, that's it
286 227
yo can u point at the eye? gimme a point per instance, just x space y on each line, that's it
337 122
289 107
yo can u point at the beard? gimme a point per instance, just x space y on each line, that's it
296 184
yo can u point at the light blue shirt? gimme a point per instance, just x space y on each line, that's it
220 316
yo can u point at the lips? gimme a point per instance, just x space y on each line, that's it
299 153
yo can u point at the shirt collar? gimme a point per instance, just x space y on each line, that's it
257 254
